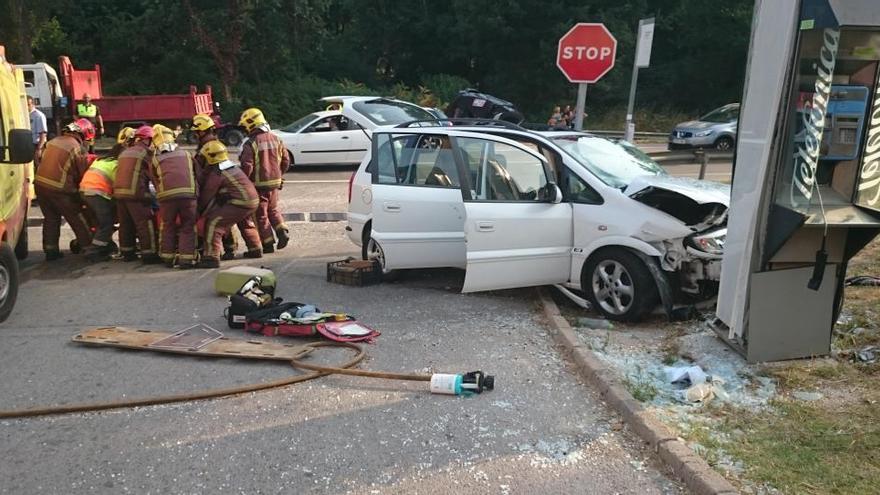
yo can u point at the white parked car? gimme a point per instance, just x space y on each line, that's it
340 135
516 208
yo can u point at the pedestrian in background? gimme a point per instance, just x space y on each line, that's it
133 200
568 117
555 117
38 130
89 111
57 187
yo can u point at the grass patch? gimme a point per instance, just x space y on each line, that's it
641 386
802 448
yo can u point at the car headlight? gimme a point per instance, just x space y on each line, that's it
712 243
704 133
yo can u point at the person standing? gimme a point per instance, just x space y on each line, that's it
57 186
204 127
133 199
174 176
38 130
89 111
265 160
227 196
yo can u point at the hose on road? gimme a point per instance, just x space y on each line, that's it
316 372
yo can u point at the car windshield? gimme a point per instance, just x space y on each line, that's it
390 112
301 123
721 115
615 164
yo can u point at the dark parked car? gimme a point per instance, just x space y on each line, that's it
470 103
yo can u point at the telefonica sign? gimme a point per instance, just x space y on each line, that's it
869 184
807 155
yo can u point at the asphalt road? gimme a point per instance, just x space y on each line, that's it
540 430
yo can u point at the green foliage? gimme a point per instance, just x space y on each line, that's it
294 51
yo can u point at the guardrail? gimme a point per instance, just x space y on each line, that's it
683 157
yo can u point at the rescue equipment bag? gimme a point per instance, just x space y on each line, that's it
250 297
304 320
230 280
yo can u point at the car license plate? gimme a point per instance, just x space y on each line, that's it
678 141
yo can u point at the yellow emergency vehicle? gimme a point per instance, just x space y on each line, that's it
16 173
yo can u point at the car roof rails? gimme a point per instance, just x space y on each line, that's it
463 122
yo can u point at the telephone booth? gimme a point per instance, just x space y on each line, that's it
806 189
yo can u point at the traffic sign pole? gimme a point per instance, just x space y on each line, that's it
579 111
642 59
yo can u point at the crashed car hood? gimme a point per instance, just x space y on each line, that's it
694 202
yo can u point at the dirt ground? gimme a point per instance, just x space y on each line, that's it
805 426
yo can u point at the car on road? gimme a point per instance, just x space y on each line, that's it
716 129
341 134
517 208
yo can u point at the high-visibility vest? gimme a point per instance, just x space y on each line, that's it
98 179
84 110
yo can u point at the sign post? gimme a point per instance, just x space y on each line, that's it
586 53
642 59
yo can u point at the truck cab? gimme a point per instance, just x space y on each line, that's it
42 84
16 171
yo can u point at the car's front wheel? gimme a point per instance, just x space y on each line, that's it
619 284
724 143
8 281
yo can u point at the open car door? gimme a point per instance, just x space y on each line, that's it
417 207
518 232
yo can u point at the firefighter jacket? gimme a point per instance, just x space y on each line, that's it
264 159
133 173
63 164
174 175
98 179
225 184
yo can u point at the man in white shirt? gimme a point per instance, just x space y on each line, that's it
38 130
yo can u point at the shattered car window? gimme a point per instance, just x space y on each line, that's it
615 164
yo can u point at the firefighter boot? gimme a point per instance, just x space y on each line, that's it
283 238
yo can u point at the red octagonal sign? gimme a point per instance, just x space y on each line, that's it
586 52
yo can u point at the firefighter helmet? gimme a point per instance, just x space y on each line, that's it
202 122
251 119
88 130
163 138
126 135
144 132
214 152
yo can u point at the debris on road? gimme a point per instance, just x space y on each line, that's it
595 323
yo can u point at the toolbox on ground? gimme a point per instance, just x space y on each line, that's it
354 272
230 280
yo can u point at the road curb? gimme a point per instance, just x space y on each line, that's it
690 468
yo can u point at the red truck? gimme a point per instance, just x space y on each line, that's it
47 88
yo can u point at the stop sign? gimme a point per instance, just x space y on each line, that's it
586 52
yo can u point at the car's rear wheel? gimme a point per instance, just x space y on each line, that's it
724 144
371 250
8 281
619 284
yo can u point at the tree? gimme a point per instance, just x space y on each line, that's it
224 45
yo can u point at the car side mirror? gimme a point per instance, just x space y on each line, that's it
550 193
20 147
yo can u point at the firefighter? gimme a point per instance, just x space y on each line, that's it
227 197
174 176
265 160
57 186
96 188
131 190
205 130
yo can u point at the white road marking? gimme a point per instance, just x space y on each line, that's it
321 181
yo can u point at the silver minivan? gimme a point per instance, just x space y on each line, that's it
716 129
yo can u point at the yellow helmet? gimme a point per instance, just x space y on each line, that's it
125 135
202 122
251 119
163 138
214 152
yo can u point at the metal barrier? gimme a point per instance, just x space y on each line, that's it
684 157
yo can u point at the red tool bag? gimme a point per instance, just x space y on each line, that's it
278 320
